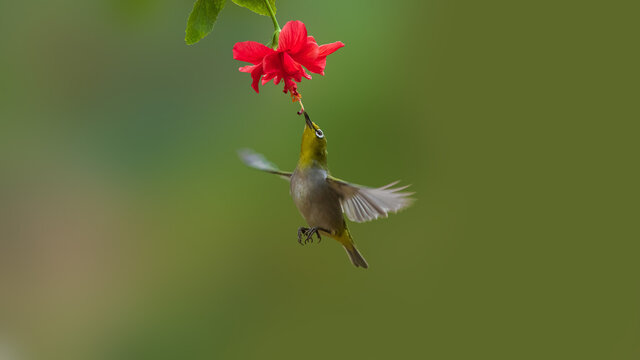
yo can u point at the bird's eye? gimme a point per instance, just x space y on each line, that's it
319 134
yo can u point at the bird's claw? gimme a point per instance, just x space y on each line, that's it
301 231
308 234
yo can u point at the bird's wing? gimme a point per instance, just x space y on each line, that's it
257 161
361 203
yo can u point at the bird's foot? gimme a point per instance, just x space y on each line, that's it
308 233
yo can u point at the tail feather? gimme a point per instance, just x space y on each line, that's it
355 256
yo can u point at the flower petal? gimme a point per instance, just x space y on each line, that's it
292 37
317 65
251 51
289 85
289 65
256 73
268 77
330 48
307 53
315 60
273 63
305 75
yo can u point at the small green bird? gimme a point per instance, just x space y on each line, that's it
322 199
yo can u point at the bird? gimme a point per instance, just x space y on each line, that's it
324 200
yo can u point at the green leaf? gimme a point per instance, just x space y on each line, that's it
201 19
257 6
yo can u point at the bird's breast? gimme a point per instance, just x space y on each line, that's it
306 184
316 201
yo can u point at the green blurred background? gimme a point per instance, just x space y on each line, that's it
129 229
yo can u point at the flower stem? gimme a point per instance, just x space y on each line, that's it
276 32
276 27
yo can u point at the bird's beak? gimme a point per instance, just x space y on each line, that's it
308 120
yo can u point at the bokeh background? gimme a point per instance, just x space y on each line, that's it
129 229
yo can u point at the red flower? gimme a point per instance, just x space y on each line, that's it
295 50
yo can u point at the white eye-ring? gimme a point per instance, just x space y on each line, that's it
319 134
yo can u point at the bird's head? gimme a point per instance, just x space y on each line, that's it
314 144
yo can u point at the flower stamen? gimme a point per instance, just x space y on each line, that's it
301 107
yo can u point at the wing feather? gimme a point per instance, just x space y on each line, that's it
258 161
361 203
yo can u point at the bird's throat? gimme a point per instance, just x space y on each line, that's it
313 157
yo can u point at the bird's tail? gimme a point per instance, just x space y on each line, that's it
354 255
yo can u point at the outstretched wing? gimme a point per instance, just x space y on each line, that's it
257 161
361 203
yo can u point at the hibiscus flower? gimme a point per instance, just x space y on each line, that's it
295 50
